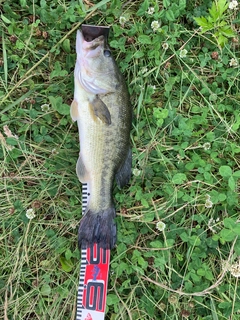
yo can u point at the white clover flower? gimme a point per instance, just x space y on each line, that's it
208 203
136 172
225 265
183 53
144 70
233 5
160 226
212 225
45 107
155 25
165 46
30 214
207 146
233 62
208 197
122 20
54 151
151 10
235 269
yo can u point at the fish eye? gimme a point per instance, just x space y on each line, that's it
107 53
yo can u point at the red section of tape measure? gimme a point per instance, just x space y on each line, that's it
93 282
96 280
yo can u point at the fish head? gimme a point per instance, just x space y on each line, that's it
95 68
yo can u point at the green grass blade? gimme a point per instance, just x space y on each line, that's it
5 62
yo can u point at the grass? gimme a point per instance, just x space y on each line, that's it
185 92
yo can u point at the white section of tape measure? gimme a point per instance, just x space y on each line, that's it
85 196
80 313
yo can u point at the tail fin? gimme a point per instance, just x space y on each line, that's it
98 227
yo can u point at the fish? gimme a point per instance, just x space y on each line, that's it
102 109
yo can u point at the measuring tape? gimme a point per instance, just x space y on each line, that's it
93 280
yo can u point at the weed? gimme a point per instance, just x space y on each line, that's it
217 23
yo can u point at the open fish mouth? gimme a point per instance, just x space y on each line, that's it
92 39
92 32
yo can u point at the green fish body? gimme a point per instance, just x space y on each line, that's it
102 110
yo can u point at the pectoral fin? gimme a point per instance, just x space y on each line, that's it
81 171
124 173
99 109
74 110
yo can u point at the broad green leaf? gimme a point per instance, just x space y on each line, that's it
222 40
12 141
160 263
225 171
231 183
194 241
222 6
184 236
236 229
68 254
66 45
156 244
229 223
144 39
182 4
236 174
221 197
59 106
57 71
67 265
138 54
205 272
204 24
23 3
170 15
143 8
166 3
227 234
222 24
227 31
225 305
5 19
179 178
112 299
142 262
214 12
144 203
46 290
148 217
195 277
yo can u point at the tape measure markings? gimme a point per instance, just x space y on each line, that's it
93 277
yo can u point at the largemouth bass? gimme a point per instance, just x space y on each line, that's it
102 110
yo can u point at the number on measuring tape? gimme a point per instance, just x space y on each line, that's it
92 290
94 298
